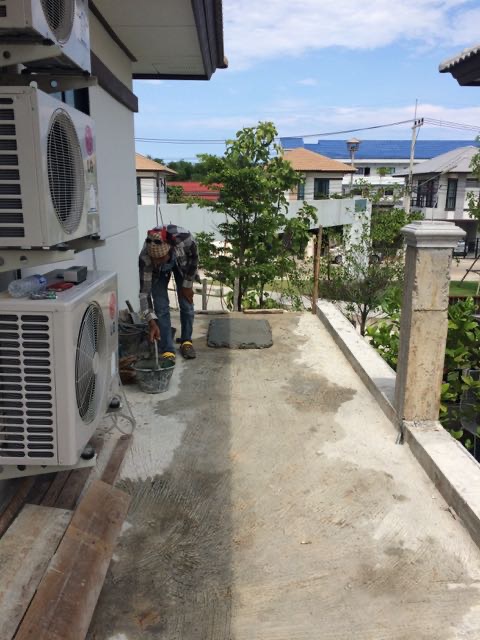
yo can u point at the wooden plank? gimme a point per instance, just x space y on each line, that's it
25 552
16 503
50 497
67 595
73 488
114 464
40 488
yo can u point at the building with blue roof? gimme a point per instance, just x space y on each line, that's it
393 155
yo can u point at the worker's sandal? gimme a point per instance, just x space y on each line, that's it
187 350
168 356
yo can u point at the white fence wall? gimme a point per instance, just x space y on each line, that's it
196 219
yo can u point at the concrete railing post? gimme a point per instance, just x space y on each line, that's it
424 318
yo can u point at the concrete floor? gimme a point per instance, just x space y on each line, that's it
270 502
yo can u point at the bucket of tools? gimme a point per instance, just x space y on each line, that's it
153 376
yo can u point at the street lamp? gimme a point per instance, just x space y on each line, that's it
352 146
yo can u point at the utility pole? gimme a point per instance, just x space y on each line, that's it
417 123
352 146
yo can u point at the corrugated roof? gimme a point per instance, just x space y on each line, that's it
456 161
147 164
197 189
447 65
305 160
378 149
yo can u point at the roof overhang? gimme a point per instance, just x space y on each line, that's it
166 39
464 67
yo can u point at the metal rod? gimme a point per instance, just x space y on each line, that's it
316 269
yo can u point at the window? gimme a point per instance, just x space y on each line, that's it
451 201
301 191
77 98
321 188
426 191
139 191
366 171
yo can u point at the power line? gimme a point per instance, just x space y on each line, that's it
308 135
429 121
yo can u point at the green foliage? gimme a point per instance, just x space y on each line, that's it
175 194
386 227
462 354
384 335
376 193
360 282
190 171
262 243
473 199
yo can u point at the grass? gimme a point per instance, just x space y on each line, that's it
465 288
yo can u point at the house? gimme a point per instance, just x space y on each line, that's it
196 190
323 176
440 187
151 180
377 161
175 41
464 67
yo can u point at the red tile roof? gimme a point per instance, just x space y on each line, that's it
196 190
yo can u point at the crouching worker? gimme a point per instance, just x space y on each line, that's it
166 250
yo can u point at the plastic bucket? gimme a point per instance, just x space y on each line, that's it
153 380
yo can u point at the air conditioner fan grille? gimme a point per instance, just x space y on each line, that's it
90 363
65 171
59 15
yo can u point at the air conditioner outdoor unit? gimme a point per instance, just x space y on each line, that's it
45 34
58 371
48 177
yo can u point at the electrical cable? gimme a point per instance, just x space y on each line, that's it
116 414
308 135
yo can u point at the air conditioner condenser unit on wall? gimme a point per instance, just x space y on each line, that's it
58 371
45 34
48 175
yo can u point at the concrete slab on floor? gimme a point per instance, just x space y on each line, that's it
270 502
239 333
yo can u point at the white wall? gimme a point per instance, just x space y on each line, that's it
335 183
196 219
148 184
115 148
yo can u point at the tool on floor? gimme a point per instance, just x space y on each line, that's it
134 316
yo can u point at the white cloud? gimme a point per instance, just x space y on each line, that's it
282 28
301 119
308 82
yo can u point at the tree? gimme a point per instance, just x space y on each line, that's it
260 243
189 171
386 226
359 282
175 194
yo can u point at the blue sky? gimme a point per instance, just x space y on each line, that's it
313 66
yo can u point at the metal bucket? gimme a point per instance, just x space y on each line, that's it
153 380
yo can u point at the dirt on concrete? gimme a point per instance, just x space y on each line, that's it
270 502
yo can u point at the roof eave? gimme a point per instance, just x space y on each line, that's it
465 68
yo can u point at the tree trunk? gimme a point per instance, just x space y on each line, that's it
363 319
260 297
